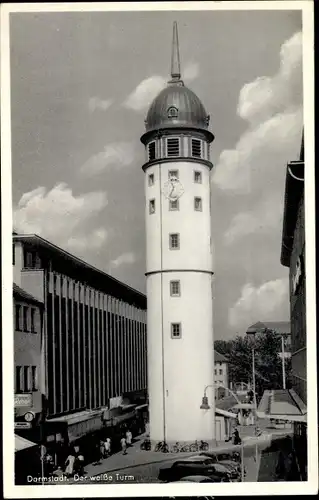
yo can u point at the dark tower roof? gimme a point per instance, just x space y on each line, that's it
176 106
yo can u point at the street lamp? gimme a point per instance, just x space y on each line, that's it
205 406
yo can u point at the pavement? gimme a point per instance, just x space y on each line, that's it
143 466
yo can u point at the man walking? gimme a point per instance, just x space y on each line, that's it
124 446
128 438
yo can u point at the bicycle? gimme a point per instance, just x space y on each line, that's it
162 447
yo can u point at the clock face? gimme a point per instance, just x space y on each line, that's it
173 189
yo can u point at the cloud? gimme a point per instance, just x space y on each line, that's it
141 98
125 258
264 218
97 103
61 217
268 302
272 108
116 154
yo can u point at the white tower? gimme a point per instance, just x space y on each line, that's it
179 263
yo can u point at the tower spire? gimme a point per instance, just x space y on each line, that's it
175 63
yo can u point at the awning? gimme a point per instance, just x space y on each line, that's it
21 443
283 404
140 407
81 423
225 413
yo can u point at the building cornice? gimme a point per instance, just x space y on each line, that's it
187 159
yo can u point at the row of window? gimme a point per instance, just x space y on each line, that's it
175 174
174 205
172 148
25 318
26 379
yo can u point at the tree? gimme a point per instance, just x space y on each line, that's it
268 365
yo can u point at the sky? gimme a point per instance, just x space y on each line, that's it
81 84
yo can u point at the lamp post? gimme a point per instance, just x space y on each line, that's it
205 406
251 332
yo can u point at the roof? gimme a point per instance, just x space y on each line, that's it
188 111
220 358
23 295
280 327
283 404
88 272
294 190
176 106
21 443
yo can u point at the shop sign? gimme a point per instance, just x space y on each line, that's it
298 274
21 400
22 425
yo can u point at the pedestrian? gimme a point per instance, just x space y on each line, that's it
236 437
124 446
80 464
128 438
69 464
107 447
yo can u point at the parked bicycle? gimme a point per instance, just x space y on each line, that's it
199 446
177 448
162 447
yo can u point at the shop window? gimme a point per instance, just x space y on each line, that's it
196 148
26 382
174 241
34 378
18 383
176 330
152 207
175 288
172 147
151 151
198 204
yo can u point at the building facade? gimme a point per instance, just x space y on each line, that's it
94 335
293 257
221 370
179 262
28 322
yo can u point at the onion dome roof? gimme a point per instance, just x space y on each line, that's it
176 106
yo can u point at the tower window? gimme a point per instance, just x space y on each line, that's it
152 207
198 204
151 180
198 177
151 151
172 112
173 205
175 288
172 146
174 241
196 148
173 174
176 330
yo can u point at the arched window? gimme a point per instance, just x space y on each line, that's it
172 112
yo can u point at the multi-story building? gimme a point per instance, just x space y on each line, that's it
94 337
293 256
291 404
220 373
27 357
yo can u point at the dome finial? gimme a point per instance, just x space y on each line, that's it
175 64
